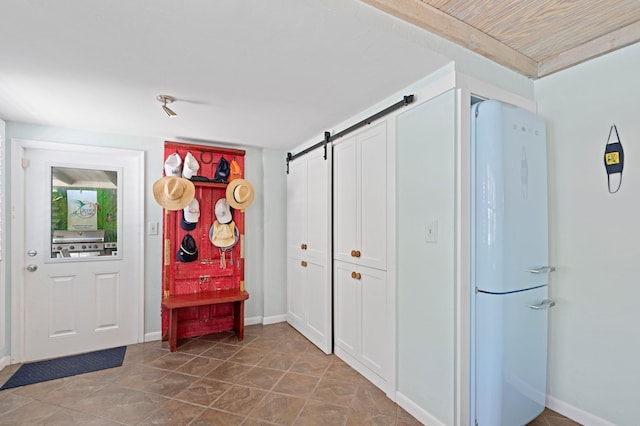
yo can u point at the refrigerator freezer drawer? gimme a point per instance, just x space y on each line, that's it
511 356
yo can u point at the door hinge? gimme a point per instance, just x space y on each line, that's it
25 162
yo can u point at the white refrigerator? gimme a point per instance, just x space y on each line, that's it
509 265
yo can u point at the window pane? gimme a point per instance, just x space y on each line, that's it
84 212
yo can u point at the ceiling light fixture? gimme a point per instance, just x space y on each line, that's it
166 99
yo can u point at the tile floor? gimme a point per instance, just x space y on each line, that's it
274 376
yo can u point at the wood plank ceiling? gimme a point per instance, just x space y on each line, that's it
533 37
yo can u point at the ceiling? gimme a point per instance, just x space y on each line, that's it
533 37
269 74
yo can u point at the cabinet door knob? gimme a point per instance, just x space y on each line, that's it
303 263
353 253
303 246
353 275
358 276
357 253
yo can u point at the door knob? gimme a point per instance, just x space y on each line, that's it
357 253
32 253
303 263
31 267
358 276
353 275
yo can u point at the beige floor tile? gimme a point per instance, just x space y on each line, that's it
364 418
322 413
335 392
139 376
203 391
200 366
278 408
213 417
42 389
120 404
171 361
261 378
371 399
173 413
311 365
221 351
296 385
278 361
248 356
68 417
229 372
29 414
143 355
340 370
239 400
171 384
72 391
10 400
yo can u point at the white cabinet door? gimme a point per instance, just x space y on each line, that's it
360 198
362 315
309 305
317 208
372 145
346 228
296 207
296 291
374 352
346 295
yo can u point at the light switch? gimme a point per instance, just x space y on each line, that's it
153 228
431 231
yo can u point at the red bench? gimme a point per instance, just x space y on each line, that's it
173 303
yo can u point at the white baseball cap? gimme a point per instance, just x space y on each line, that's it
173 165
223 212
191 166
192 212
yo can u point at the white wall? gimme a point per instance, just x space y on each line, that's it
426 306
594 347
154 149
275 235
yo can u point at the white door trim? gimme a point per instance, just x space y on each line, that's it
17 226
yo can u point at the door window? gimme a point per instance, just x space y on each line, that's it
84 213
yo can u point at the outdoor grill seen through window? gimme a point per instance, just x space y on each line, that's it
84 212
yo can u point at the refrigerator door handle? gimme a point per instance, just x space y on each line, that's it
541 269
545 304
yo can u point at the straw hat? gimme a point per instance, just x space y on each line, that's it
239 194
173 193
222 235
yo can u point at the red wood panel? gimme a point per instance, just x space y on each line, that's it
206 274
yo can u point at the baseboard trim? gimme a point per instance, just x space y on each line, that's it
252 320
416 411
576 414
153 336
274 319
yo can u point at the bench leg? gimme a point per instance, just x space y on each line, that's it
173 329
238 319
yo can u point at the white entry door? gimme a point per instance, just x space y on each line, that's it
76 297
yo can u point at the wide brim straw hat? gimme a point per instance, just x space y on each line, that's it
222 234
239 194
173 193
